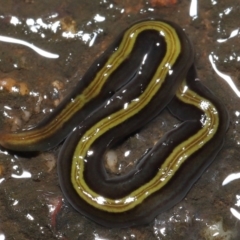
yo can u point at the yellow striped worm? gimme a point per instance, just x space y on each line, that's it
148 67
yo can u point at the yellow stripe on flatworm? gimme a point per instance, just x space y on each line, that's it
178 156
173 49
94 88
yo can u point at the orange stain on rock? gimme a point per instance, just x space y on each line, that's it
162 3
55 205
2 170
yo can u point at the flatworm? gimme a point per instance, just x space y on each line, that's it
148 68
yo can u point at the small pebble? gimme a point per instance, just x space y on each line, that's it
111 161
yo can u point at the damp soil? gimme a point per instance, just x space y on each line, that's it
31 86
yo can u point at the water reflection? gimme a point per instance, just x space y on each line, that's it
234 33
230 178
34 48
193 10
35 26
66 26
235 213
24 174
224 76
2 236
29 217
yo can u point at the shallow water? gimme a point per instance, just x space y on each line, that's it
32 85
